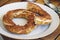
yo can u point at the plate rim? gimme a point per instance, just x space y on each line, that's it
27 38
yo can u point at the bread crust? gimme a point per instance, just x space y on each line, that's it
41 16
34 14
12 27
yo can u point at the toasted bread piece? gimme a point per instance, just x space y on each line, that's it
41 16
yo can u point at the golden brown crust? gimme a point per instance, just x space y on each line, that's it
40 13
34 14
12 27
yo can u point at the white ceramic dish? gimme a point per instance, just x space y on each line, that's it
39 32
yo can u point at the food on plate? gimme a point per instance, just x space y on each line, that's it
41 16
19 13
34 15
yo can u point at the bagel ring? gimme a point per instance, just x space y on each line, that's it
19 13
41 16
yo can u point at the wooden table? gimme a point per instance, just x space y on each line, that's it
49 37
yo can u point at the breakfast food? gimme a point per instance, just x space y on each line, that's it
19 13
41 16
34 15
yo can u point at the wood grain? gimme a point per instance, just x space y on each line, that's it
40 1
55 2
2 2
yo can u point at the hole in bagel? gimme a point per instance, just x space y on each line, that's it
20 21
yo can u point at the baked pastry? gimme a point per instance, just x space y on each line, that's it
41 16
19 13
34 14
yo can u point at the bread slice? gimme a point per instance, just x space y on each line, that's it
41 16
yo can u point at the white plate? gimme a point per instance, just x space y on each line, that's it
39 32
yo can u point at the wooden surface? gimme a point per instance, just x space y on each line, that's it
55 2
49 37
